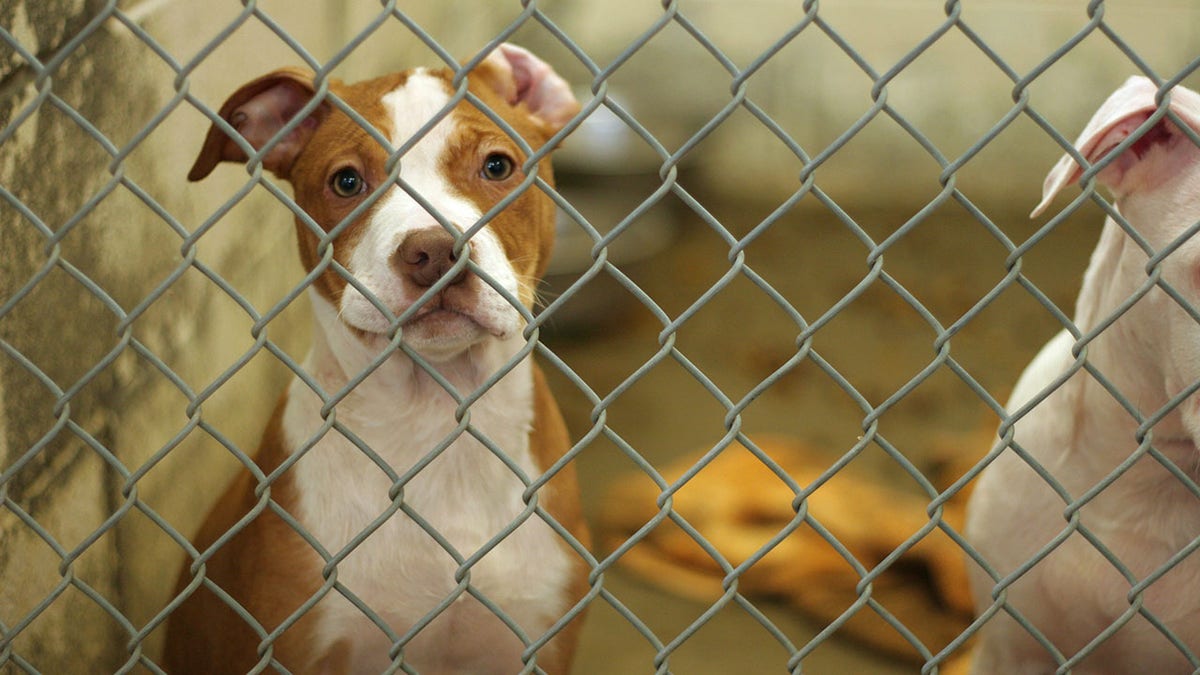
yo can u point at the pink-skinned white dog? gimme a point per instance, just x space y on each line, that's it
1147 518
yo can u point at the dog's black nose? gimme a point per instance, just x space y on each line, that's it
426 255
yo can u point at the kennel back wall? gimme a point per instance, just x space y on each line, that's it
146 325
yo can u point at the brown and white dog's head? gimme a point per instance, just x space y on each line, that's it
397 249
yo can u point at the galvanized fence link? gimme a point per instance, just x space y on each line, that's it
65 422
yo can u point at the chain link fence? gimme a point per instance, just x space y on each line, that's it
731 280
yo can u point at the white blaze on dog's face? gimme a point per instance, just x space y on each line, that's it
397 249
1155 184
385 260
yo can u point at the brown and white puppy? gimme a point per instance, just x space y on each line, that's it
405 502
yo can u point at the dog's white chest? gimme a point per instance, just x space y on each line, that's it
433 554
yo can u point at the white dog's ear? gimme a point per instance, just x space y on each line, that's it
525 80
1126 110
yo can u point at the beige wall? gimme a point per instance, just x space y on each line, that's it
128 407
131 409
64 486
953 94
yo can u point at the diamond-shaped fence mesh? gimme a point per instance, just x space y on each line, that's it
793 287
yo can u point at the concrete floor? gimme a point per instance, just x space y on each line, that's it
878 343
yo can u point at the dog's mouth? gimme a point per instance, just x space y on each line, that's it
445 324
443 321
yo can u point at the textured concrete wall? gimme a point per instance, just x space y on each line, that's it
63 331
69 484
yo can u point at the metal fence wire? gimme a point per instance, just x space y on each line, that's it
64 406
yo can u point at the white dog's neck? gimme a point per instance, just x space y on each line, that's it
1130 357
1151 353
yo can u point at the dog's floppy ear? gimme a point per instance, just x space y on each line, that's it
258 110
524 80
1127 109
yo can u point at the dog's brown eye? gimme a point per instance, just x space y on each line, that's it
497 166
347 183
